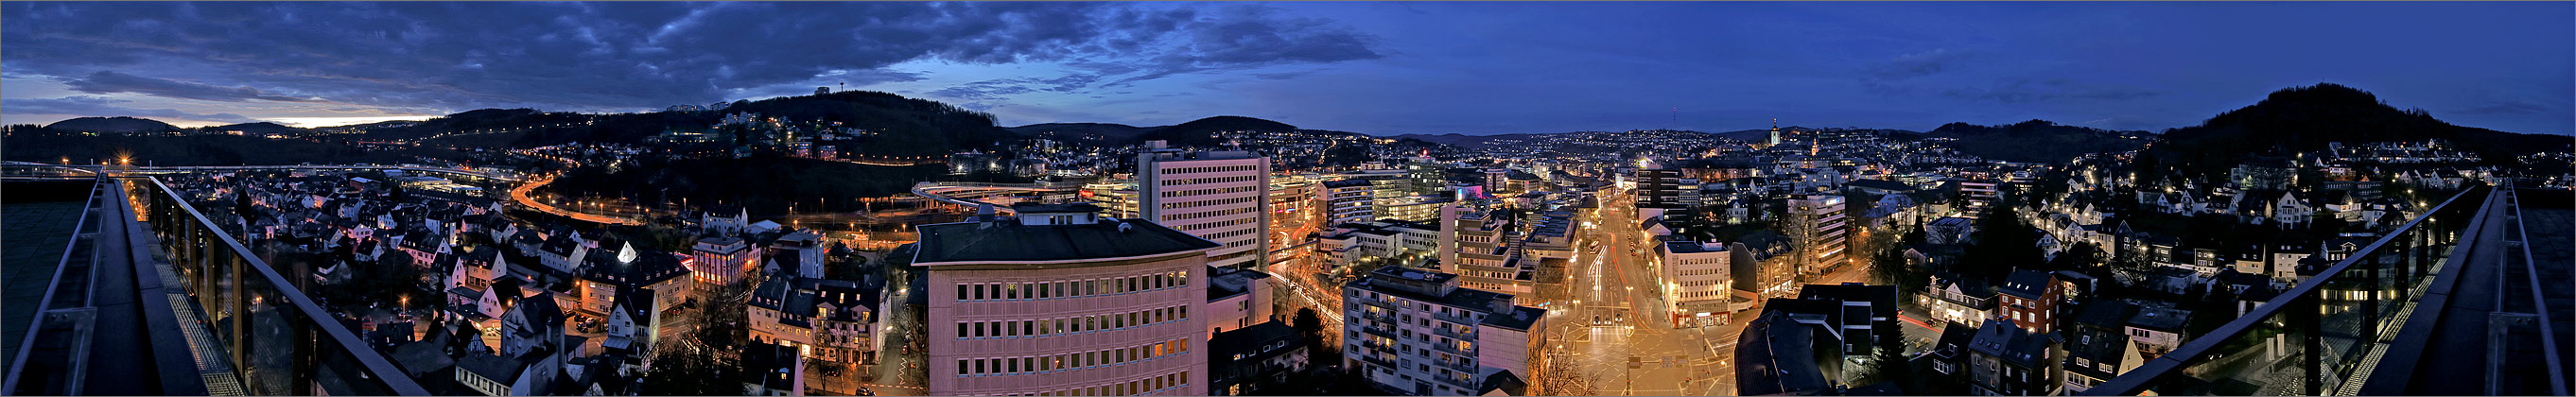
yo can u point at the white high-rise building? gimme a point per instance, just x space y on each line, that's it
1219 196
1817 225
1698 281
1415 332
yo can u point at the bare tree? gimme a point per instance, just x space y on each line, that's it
1799 225
1561 377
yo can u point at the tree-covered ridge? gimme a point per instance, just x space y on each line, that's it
2301 119
898 126
1202 132
2035 141
37 144
119 124
760 182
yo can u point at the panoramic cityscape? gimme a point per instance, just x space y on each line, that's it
1286 198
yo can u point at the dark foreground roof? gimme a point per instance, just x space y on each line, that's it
1007 240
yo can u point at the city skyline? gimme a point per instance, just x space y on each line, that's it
927 199
1377 68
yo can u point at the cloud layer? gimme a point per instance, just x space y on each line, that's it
618 56
1386 68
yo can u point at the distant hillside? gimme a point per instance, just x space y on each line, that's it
256 128
1764 134
2035 141
767 184
375 125
1755 135
473 120
1094 133
2306 118
1752 135
1463 140
1202 132
119 125
46 145
902 126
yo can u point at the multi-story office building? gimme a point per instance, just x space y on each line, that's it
1412 208
1219 196
1415 332
1661 188
1349 201
1817 227
719 260
1055 300
1699 279
1480 246
1384 239
1237 299
1421 176
1980 194
1295 212
1495 179
1117 199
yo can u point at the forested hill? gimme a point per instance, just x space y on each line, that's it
901 126
1201 132
2035 141
118 124
2306 118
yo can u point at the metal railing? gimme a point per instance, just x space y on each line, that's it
2313 338
2557 374
57 380
280 340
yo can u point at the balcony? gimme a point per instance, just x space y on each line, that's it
1389 333
2370 324
1383 361
1452 349
1444 331
1460 320
280 341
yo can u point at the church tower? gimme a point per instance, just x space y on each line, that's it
1775 133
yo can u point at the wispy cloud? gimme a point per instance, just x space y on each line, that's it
109 82
103 106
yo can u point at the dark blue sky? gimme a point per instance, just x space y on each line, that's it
1383 68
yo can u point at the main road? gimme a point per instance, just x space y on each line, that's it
520 195
1618 328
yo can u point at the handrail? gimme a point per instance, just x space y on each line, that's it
384 370
2539 304
36 322
2137 380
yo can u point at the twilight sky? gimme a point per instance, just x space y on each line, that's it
1380 68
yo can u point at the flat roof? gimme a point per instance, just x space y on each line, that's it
1005 240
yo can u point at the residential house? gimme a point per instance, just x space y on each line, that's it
2157 330
2006 359
2029 299
1780 355
1958 300
772 370
1249 359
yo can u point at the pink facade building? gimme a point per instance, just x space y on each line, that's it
1055 301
